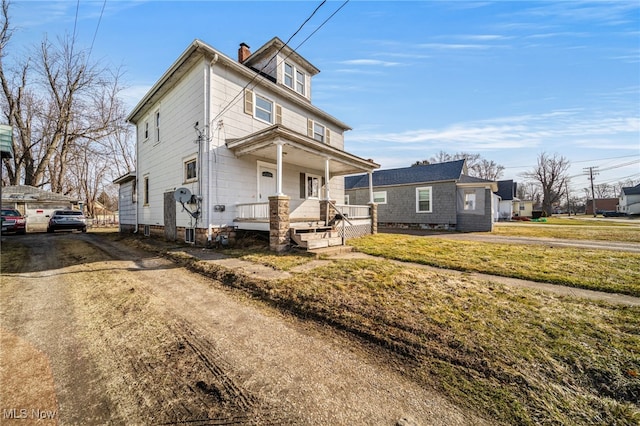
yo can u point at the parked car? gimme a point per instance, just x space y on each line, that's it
613 213
13 221
67 220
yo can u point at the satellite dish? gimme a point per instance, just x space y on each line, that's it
182 195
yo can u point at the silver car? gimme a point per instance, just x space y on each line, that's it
67 220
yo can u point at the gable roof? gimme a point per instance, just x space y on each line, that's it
201 51
631 190
276 44
506 189
31 193
449 171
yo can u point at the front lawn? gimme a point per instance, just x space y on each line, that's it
604 270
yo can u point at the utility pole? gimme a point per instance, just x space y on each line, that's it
592 171
568 198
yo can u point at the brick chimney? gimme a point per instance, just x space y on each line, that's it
243 52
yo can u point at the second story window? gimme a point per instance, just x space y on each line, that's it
157 126
146 130
263 109
318 132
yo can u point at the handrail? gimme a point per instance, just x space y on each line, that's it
342 215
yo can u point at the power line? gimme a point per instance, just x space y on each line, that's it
97 26
257 75
581 161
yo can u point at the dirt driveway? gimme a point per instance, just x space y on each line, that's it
94 332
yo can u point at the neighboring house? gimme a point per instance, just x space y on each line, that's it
127 202
629 201
509 205
36 204
602 205
432 196
226 144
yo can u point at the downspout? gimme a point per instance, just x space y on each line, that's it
136 181
207 133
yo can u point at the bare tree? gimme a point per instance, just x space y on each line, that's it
486 169
67 118
551 174
476 165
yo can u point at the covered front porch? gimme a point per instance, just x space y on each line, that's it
314 207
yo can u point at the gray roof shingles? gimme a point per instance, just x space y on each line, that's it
451 170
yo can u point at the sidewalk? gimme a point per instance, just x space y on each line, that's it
254 270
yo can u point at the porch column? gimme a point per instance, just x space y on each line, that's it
279 168
279 223
374 217
371 187
327 196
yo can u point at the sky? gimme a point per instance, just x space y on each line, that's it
508 80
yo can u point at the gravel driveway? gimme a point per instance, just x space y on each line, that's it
132 338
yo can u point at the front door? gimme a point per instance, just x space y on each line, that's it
266 182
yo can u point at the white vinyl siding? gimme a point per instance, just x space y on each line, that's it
423 200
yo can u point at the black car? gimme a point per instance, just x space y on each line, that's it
67 220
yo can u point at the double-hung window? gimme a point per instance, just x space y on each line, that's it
190 170
294 78
263 109
423 200
318 132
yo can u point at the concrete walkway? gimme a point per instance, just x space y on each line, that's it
251 269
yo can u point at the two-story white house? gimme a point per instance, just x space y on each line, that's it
225 144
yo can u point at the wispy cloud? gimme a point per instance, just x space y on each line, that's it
371 62
566 127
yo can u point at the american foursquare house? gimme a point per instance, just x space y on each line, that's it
236 144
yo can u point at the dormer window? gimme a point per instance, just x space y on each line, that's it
294 78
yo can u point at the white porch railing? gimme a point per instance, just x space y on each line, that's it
259 211
354 211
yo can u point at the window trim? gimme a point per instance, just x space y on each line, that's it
424 188
379 193
145 129
296 84
145 191
312 176
185 169
471 202
256 108
157 125
321 135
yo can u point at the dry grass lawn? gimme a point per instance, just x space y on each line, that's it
604 270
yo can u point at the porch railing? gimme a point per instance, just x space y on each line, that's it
354 211
255 211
